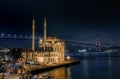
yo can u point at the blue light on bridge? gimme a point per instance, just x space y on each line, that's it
2 34
20 36
26 36
15 36
30 37
9 35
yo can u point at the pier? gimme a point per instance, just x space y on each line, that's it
39 68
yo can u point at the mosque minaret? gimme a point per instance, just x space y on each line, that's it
33 34
45 34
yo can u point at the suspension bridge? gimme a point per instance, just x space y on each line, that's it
68 42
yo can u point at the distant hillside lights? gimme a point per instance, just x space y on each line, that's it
82 50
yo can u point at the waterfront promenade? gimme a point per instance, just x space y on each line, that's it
34 69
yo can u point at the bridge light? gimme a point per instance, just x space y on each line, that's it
25 36
2 34
20 36
30 37
15 36
8 35
39 37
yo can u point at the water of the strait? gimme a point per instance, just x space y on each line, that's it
90 68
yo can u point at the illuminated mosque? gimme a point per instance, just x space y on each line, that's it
51 48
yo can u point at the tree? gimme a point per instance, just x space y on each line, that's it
15 53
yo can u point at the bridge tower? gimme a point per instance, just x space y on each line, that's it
98 45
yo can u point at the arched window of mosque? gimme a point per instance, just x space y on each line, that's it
53 42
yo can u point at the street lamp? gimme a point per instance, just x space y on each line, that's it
68 57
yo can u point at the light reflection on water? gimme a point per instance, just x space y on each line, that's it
95 68
59 73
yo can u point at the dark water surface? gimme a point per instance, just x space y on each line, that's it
95 68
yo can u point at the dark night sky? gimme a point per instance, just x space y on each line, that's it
77 20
